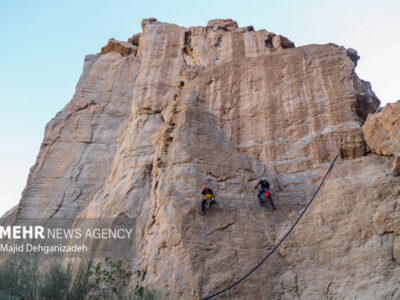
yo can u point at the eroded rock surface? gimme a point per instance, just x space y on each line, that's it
382 133
222 106
123 48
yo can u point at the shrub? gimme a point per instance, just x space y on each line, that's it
143 294
56 282
20 279
59 282
110 280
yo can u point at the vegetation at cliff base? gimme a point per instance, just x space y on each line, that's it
24 278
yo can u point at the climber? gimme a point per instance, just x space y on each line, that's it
264 190
208 199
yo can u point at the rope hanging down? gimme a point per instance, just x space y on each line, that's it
280 242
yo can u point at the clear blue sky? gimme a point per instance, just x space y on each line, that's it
43 44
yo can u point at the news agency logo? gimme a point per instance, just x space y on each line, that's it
96 237
21 232
38 232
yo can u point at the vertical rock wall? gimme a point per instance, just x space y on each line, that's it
156 119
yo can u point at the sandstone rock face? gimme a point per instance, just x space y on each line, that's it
80 142
396 166
121 47
382 133
223 106
134 40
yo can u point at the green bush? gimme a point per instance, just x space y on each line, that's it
20 279
59 282
142 294
111 279
81 285
56 283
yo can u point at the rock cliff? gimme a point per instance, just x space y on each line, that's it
157 118
382 133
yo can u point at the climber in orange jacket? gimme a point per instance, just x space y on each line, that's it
264 190
208 199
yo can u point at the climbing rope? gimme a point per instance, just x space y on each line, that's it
280 242
203 258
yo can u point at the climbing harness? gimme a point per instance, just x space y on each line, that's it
280 242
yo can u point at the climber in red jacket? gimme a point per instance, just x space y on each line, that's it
264 190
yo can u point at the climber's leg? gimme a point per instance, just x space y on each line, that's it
272 203
208 203
203 203
259 196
